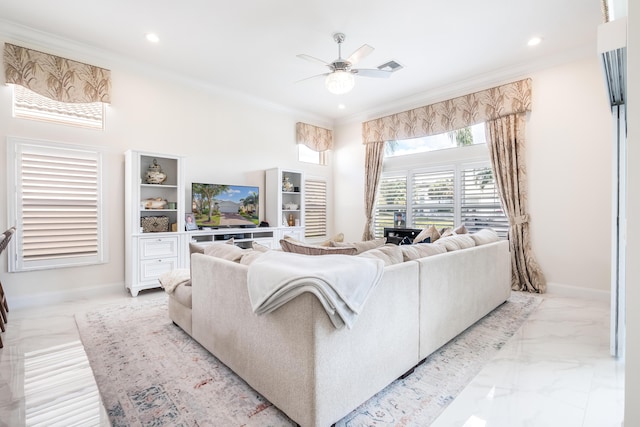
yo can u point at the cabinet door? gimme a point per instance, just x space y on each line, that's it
159 247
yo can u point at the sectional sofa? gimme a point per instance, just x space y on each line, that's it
316 374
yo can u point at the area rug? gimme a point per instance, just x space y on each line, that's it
150 373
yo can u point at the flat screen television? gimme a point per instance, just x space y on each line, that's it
225 206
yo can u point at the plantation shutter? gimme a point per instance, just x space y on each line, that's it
315 204
480 202
392 197
433 199
58 207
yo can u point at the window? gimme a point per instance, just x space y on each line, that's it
439 187
57 207
29 105
315 204
307 155
464 137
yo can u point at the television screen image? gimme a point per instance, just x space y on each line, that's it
217 205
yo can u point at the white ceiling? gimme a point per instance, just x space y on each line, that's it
250 46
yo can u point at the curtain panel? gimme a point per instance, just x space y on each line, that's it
56 78
505 137
314 137
452 114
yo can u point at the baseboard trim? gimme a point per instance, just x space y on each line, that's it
562 289
45 298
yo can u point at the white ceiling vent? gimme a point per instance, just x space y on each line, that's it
390 66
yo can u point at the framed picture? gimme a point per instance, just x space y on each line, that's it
190 222
399 219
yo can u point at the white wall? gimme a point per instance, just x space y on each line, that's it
569 168
225 138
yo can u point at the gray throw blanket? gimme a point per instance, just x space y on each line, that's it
342 283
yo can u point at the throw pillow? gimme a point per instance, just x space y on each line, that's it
225 251
337 238
361 246
420 251
484 236
446 232
306 249
260 248
461 229
390 254
431 232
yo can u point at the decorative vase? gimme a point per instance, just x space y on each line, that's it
287 186
154 174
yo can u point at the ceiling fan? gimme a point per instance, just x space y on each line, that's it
340 78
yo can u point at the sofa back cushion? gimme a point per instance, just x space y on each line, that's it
456 241
484 236
390 254
224 251
411 252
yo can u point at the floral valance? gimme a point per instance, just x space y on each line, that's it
56 78
450 115
314 137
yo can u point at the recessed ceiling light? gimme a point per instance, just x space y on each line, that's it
534 41
153 38
341 106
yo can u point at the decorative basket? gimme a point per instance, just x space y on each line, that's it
154 224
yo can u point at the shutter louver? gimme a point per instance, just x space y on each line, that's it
480 202
315 204
392 197
433 199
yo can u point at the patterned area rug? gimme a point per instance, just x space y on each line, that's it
150 373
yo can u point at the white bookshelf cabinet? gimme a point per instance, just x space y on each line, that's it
149 254
284 200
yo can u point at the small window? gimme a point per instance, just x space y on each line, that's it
471 135
57 208
307 155
29 105
315 205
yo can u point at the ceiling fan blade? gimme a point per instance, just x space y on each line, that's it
313 77
367 72
313 59
360 54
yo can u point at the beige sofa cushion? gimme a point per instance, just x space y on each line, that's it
411 252
225 251
361 246
390 254
307 249
484 236
456 241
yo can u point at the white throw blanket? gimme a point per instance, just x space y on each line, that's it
342 283
174 278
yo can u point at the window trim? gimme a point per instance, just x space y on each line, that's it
15 146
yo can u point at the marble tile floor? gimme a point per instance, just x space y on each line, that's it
556 370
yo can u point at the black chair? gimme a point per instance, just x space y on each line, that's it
4 307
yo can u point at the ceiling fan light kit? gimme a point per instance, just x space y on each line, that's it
340 82
341 76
